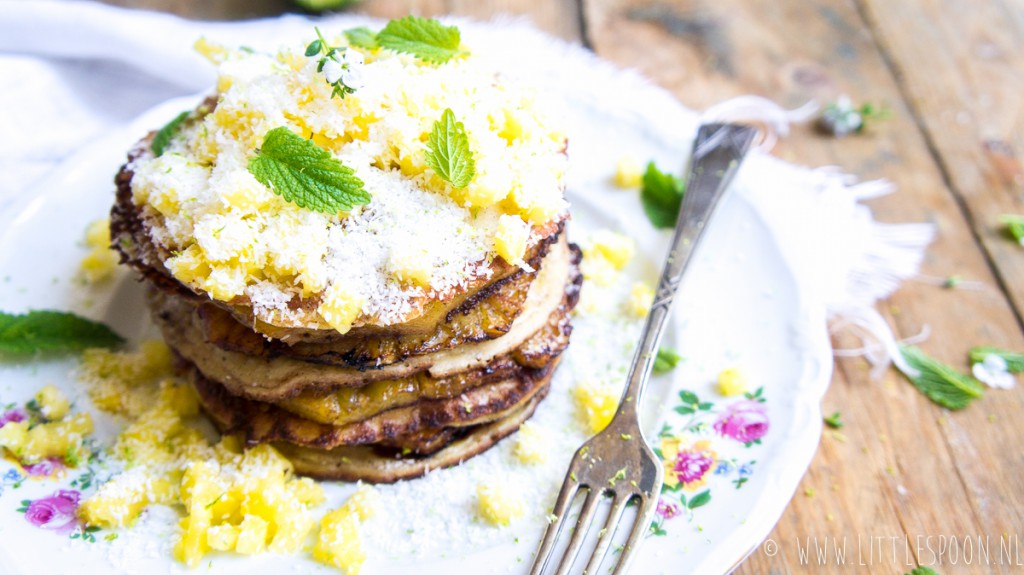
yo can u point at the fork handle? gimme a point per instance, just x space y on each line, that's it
717 153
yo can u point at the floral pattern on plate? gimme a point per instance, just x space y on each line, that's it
691 451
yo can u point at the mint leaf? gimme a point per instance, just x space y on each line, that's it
666 360
1014 226
1014 360
940 382
362 37
48 330
424 38
448 151
164 135
922 571
306 174
661 195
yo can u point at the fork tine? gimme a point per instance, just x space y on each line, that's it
604 537
640 526
583 522
565 497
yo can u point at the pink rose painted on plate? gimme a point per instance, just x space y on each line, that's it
56 512
744 421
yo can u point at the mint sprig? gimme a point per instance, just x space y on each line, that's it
306 174
661 196
163 136
940 382
362 37
425 38
47 330
448 151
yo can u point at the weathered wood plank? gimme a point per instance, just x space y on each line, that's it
961 65
901 470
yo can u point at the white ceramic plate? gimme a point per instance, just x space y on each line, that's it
739 459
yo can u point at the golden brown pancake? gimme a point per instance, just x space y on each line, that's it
552 296
367 463
258 422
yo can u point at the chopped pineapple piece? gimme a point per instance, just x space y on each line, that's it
124 382
498 504
98 265
629 173
531 444
338 543
510 238
222 537
53 404
97 234
596 404
340 308
641 296
732 381
45 440
616 248
252 535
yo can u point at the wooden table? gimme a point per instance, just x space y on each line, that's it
952 72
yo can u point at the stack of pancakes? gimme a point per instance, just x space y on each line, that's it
378 403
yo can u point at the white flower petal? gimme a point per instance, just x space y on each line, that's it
353 57
992 372
332 71
353 78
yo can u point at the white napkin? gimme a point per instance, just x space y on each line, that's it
72 71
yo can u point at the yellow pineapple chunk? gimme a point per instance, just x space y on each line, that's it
55 439
641 296
732 382
252 535
53 404
596 404
531 444
222 537
498 504
629 174
340 307
510 238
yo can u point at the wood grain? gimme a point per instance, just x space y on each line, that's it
952 72
906 468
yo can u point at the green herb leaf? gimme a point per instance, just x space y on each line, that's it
448 151
164 135
314 48
661 195
52 330
306 174
666 360
835 421
1014 226
699 500
940 382
922 571
1014 360
362 37
424 38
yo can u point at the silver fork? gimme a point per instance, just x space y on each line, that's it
618 462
